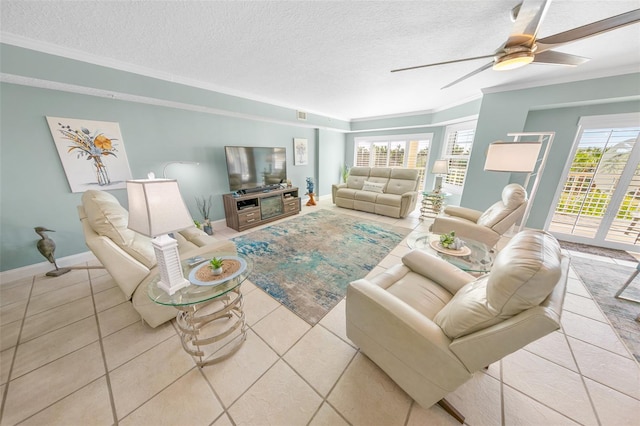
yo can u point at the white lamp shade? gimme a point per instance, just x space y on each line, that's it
515 157
440 167
156 207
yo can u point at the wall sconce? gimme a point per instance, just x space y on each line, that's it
164 169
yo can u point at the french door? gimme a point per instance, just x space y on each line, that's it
599 202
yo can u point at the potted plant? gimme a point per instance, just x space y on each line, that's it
204 206
450 241
216 265
345 173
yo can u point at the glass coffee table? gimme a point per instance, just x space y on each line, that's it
478 260
210 315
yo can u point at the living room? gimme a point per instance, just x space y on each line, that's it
164 121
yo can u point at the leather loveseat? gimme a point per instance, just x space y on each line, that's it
129 256
382 190
488 226
430 325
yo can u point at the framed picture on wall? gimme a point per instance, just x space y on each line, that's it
300 152
92 153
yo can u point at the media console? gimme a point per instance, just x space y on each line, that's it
257 208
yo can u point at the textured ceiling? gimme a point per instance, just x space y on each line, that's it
328 57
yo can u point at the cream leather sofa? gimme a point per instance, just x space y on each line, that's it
381 190
488 226
430 326
129 256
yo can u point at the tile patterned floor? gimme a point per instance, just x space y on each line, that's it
74 352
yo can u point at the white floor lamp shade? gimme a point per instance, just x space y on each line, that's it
514 157
156 208
520 156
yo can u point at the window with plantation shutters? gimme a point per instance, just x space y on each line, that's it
598 203
457 150
363 154
410 151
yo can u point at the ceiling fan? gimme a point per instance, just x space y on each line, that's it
522 47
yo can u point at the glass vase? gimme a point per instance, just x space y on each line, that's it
101 171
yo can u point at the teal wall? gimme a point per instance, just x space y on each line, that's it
28 63
417 120
564 122
331 155
507 112
34 189
163 121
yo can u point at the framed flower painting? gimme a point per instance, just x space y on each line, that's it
92 153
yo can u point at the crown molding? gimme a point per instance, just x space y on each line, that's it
109 94
423 112
79 55
631 69
420 126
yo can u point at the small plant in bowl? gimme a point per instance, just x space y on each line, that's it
216 265
450 241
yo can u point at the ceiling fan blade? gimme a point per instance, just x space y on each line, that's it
464 77
526 26
589 30
559 58
444 63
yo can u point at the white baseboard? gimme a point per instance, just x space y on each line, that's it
44 267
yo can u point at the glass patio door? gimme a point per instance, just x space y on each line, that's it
599 203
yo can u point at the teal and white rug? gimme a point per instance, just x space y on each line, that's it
307 262
604 279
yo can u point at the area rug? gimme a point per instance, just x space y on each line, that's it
599 251
603 280
307 262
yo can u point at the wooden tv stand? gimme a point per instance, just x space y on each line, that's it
257 208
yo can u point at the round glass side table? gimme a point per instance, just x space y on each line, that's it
478 261
433 203
210 318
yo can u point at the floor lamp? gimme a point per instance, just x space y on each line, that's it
156 208
521 156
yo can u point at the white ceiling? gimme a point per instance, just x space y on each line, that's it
327 57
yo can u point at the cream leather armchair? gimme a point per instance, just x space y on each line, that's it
430 325
129 256
488 226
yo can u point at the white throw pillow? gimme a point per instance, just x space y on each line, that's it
108 218
373 186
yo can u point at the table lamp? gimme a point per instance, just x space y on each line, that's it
156 208
440 168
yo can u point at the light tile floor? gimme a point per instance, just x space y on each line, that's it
74 352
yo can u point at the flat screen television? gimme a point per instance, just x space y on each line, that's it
255 167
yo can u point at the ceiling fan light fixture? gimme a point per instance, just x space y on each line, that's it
513 61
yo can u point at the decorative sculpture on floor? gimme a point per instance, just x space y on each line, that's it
46 246
311 201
